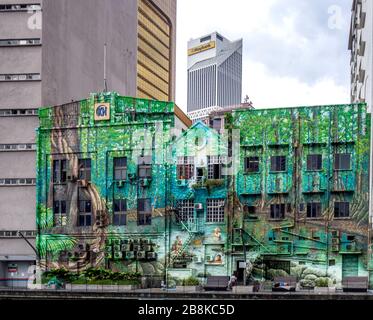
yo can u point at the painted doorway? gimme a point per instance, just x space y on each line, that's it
350 265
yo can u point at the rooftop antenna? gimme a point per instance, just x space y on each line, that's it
105 55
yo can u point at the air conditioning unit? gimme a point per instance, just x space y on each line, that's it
140 255
209 259
335 234
198 259
117 248
130 255
126 247
147 247
198 206
145 241
120 183
335 248
151 255
108 255
116 242
118 255
108 248
335 241
108 242
136 241
136 247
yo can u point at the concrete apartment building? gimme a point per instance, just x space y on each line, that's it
52 52
361 47
214 74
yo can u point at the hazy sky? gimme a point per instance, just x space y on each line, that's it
295 51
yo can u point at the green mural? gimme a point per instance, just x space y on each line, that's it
275 192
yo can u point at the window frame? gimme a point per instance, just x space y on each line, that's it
185 210
340 161
122 169
344 204
59 177
120 214
313 207
61 214
311 163
247 161
86 215
279 160
185 168
277 211
144 218
85 173
215 210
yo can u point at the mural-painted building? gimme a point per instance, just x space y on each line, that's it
273 192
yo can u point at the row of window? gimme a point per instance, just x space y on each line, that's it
144 212
19 7
18 182
313 210
342 161
16 234
17 147
215 212
18 112
20 77
19 42
185 168
60 169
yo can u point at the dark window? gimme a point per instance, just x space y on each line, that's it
251 164
278 211
248 211
145 167
278 163
208 38
59 171
120 212
185 168
144 212
85 213
214 167
120 169
59 213
314 162
341 209
342 161
85 169
313 210
185 210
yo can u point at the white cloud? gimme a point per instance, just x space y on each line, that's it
291 57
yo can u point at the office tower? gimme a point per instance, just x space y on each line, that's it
214 73
52 52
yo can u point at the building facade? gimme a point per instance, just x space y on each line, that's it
52 52
361 47
274 192
214 72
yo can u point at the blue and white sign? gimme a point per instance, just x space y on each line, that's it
102 111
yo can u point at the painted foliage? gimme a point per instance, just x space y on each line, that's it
277 191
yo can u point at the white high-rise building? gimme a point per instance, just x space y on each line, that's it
214 73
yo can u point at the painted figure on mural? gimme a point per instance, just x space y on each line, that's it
217 234
177 245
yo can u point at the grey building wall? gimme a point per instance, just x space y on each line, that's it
74 34
70 60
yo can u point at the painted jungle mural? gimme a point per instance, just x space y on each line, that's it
274 192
